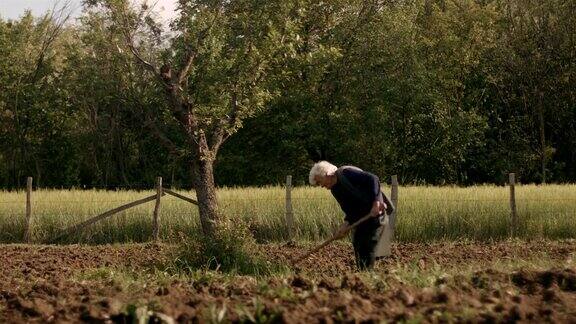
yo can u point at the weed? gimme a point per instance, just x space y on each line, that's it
260 315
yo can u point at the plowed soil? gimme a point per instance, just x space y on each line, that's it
440 282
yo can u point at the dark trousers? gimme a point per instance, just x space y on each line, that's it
364 240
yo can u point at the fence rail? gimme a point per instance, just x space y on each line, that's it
160 192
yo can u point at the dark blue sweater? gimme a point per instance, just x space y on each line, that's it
367 184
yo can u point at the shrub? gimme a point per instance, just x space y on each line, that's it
232 248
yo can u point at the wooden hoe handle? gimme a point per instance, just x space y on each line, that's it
333 238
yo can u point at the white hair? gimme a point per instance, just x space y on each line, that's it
322 169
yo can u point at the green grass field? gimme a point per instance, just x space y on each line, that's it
424 213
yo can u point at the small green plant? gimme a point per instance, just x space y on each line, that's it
231 249
284 293
260 315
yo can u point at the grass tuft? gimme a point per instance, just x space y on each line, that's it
232 249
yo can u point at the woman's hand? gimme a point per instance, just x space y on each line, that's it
378 208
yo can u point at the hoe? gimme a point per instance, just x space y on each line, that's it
328 241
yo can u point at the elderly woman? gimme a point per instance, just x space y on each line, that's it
358 193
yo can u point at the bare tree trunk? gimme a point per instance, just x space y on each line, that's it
15 180
203 179
543 146
541 122
38 172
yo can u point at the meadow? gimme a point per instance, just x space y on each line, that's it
424 213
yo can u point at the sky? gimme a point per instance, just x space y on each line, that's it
13 9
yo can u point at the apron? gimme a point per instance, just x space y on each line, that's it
385 234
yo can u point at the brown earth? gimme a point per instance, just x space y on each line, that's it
421 282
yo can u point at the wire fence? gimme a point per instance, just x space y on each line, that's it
439 212
16 202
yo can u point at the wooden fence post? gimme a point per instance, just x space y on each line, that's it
289 212
28 209
155 223
394 197
514 215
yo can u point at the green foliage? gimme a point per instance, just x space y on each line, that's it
434 91
36 123
232 249
420 90
261 315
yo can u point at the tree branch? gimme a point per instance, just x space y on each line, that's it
183 75
232 117
150 124
59 17
216 139
128 31
138 57
191 55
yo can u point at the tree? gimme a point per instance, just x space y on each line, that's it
212 71
32 109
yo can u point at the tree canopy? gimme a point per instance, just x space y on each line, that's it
436 91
